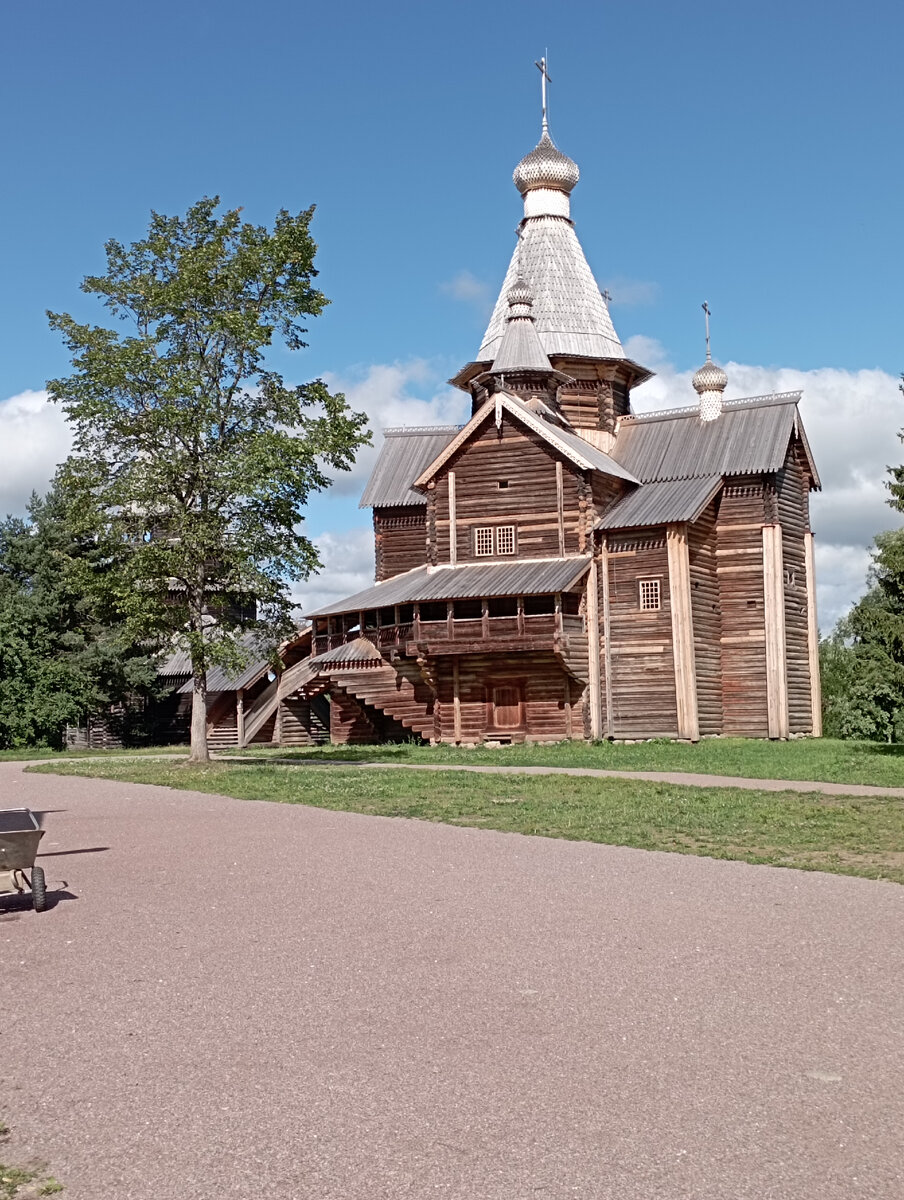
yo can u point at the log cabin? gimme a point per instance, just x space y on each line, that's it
561 567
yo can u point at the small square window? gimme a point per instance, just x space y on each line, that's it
650 594
505 539
483 542
503 483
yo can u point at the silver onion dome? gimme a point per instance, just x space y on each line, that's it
546 167
710 378
519 294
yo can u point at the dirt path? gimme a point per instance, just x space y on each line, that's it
236 999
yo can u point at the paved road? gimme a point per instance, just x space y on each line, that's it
245 1000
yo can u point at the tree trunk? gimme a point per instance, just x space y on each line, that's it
199 750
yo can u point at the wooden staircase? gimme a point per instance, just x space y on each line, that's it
398 691
264 708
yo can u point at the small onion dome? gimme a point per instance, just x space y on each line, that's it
520 300
546 167
710 378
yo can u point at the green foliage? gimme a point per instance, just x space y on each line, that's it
63 652
193 460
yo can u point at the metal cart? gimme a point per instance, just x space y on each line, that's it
20 836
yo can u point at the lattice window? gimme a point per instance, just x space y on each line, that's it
650 594
505 539
483 542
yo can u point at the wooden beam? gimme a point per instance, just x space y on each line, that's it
813 636
607 633
593 650
778 724
456 701
240 716
560 506
682 632
453 528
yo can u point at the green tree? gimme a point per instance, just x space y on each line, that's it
193 459
63 653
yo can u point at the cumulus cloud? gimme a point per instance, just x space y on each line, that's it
348 567
34 438
469 290
384 392
852 420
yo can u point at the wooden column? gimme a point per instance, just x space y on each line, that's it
485 618
450 620
774 619
813 635
682 632
560 505
456 700
607 634
453 528
569 727
593 651
240 716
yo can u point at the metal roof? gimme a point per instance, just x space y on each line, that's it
531 577
570 314
219 679
751 436
570 445
404 455
662 502
360 650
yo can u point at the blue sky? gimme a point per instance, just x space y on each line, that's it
747 154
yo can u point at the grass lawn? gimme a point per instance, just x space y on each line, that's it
846 835
26 755
820 759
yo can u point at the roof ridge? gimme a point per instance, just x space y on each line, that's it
667 414
405 430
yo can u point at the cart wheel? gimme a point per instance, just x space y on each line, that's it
38 889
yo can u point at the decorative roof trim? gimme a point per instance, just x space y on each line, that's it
693 410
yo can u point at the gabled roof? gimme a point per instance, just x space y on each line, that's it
570 314
219 679
516 577
404 454
361 650
662 503
748 438
569 445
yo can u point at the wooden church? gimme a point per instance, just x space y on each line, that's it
561 567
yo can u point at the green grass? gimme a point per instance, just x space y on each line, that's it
820 759
847 835
27 754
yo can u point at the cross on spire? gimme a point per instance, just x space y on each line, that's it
544 73
707 311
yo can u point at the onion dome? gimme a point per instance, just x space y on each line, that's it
546 167
710 378
520 299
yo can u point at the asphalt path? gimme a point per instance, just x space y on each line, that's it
245 1000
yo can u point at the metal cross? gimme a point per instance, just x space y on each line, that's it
706 310
607 296
541 65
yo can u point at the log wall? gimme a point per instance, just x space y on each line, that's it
514 456
707 620
400 539
642 664
792 494
350 725
549 701
739 554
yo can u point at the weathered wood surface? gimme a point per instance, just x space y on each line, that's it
793 497
682 631
707 620
739 557
400 540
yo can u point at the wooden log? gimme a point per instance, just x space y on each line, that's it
774 614
682 632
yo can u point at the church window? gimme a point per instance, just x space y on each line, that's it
505 539
650 594
483 542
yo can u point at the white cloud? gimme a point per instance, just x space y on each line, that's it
34 438
852 420
348 567
383 393
469 290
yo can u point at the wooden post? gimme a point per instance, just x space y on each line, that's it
813 635
240 716
453 528
774 620
416 622
569 726
485 618
520 603
607 635
682 632
450 619
593 651
560 505
456 700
